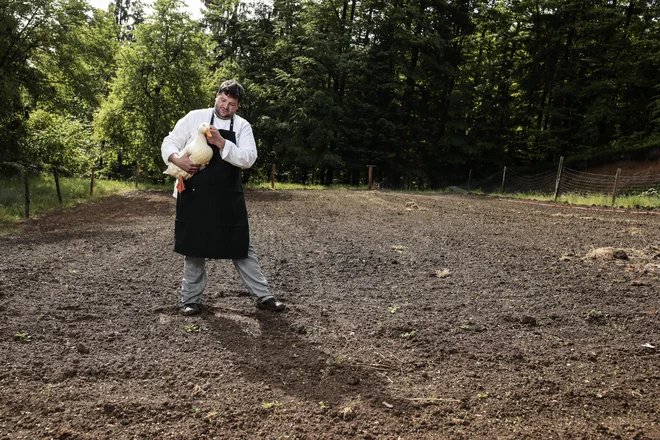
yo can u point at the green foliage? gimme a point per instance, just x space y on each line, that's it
26 28
80 62
56 64
159 79
60 141
424 90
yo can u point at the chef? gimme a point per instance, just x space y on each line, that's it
211 216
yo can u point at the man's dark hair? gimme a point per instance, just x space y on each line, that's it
232 89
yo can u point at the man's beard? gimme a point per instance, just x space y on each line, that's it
218 115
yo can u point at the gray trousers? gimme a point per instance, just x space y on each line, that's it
248 269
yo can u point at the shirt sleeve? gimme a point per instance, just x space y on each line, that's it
243 153
176 140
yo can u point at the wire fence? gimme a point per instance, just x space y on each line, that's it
543 182
573 181
563 180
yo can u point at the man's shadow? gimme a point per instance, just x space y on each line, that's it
271 352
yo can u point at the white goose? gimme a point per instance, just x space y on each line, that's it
200 154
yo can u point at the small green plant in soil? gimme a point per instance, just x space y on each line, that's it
192 328
47 391
408 335
271 406
23 337
594 315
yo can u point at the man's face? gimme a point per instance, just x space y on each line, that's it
225 106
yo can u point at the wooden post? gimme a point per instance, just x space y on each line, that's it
57 185
91 184
272 176
616 182
469 178
371 175
26 183
137 174
558 181
503 180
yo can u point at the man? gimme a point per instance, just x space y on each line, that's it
211 217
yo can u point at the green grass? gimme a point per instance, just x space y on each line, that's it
603 200
296 186
43 195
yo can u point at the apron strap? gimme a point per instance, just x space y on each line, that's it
231 124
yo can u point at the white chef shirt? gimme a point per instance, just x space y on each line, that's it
242 154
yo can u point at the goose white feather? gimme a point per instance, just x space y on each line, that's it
200 154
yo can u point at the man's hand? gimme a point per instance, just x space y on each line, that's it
216 138
184 163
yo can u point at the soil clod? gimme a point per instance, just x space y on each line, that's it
528 320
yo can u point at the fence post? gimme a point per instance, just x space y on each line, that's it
503 180
26 183
559 170
91 184
272 176
57 185
371 175
616 181
137 174
469 178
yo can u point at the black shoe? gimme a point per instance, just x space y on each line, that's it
272 305
190 309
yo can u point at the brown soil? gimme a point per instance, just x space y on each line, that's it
629 167
411 317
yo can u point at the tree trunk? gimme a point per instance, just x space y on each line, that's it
57 185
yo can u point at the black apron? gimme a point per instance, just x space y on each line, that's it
211 217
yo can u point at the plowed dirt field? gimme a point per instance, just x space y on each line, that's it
410 317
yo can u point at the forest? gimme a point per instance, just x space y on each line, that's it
424 90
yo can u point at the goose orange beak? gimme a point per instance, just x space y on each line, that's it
208 132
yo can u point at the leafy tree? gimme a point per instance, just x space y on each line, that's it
60 141
159 79
423 89
26 27
56 63
80 63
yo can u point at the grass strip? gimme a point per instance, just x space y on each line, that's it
43 195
